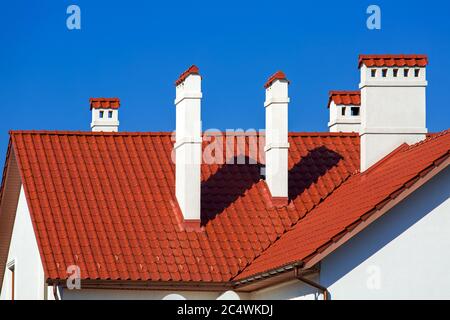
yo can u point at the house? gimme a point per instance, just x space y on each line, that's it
360 212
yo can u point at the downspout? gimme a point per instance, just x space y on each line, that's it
312 284
55 291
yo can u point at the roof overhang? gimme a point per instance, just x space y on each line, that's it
146 285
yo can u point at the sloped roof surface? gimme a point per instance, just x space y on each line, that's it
106 202
357 198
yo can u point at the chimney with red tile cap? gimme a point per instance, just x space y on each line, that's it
277 145
344 109
393 103
105 114
188 145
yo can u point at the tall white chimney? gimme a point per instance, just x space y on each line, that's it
277 145
188 145
393 104
105 114
345 110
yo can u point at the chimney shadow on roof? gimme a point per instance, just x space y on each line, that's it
225 186
310 168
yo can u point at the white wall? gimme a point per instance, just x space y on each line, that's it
29 273
393 111
402 255
343 123
101 294
291 290
105 124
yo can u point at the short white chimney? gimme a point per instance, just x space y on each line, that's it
344 109
277 145
188 145
393 104
105 114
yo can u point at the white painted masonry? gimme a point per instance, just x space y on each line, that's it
102 294
188 146
346 122
106 120
277 145
392 110
28 270
291 290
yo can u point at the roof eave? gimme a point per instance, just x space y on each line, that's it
146 285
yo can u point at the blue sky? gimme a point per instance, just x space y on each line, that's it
136 49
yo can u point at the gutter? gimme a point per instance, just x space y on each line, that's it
312 284
146 285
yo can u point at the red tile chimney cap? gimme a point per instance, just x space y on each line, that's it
191 70
104 103
393 60
345 98
279 75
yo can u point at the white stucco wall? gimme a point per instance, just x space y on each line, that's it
343 123
29 273
105 124
291 290
101 294
393 111
403 255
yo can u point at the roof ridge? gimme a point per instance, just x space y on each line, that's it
402 147
430 137
405 147
81 133
158 133
355 92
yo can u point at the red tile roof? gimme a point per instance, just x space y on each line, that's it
358 198
191 70
391 60
279 75
345 98
106 202
104 103
122 221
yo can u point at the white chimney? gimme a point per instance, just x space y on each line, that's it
277 145
188 145
344 109
393 104
105 114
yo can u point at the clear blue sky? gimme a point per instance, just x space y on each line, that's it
136 49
